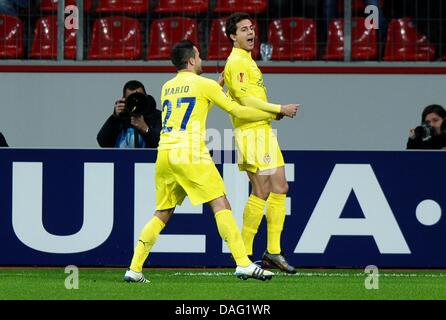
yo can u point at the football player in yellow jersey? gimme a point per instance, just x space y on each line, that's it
259 152
184 165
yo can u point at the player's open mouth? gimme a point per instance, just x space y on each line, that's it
251 41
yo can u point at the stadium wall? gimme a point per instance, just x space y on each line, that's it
344 209
367 110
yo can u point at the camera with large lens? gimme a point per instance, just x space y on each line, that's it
424 132
136 104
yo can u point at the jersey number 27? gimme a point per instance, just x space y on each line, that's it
167 104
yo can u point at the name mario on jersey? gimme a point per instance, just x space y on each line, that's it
176 90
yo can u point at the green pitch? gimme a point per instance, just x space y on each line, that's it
216 284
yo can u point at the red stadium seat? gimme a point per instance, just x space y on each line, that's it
51 5
182 6
165 32
219 46
292 39
123 6
364 41
116 38
11 37
405 43
44 44
249 6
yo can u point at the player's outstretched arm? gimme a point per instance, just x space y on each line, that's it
251 114
236 79
260 104
244 112
221 99
288 110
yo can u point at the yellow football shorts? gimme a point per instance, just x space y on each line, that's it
178 175
258 149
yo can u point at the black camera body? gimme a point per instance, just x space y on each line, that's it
424 132
136 104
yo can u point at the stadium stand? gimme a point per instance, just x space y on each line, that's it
49 6
123 6
357 6
11 37
116 38
406 43
297 30
293 39
249 6
182 6
364 41
165 32
44 45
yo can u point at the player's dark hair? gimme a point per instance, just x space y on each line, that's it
181 53
231 23
132 85
433 108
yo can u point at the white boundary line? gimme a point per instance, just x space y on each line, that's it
324 274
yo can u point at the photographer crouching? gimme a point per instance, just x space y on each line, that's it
431 134
135 122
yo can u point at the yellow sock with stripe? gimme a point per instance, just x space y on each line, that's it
275 218
147 239
252 216
230 233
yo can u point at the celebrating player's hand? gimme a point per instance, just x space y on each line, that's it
289 110
119 106
221 80
279 116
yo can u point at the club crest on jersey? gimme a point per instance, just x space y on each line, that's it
267 158
241 77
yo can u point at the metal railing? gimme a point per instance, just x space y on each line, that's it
426 15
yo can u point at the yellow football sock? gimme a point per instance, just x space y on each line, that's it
275 218
147 239
252 216
230 233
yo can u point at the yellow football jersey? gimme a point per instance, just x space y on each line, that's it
186 100
243 79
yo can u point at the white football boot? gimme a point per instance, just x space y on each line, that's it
253 271
132 276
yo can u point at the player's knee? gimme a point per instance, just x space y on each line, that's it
164 216
261 193
280 188
285 187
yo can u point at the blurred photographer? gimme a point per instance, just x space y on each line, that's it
135 122
431 134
